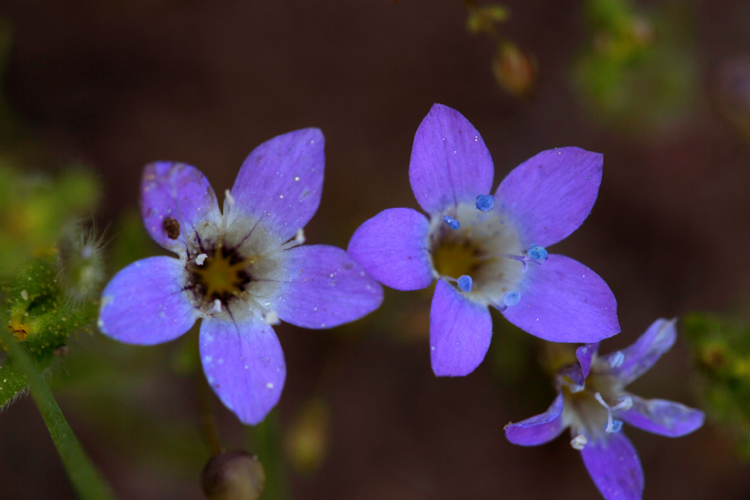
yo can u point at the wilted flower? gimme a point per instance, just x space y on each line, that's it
593 402
240 270
490 250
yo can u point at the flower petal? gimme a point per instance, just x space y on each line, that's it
449 161
659 416
640 356
460 332
551 194
328 288
175 199
244 365
146 303
393 248
564 301
281 182
614 466
585 355
539 429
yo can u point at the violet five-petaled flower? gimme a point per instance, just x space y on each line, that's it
241 269
490 250
593 402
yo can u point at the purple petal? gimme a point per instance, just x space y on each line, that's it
244 365
449 161
614 466
539 429
460 332
564 301
551 194
281 181
146 303
175 198
585 355
639 357
659 416
393 247
328 288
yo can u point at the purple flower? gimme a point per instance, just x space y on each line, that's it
242 270
593 402
490 250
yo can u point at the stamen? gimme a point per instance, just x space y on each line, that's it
201 259
485 202
535 252
299 238
229 197
616 359
614 425
510 299
271 318
452 223
579 442
464 283
217 306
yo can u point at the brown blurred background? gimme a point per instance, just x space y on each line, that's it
118 84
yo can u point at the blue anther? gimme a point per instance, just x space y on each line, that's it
485 202
537 253
452 223
464 283
512 298
613 426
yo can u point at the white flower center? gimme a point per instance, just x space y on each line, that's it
480 252
235 270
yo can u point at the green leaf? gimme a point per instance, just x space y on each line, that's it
83 474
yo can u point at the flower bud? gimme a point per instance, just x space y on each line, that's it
515 70
233 475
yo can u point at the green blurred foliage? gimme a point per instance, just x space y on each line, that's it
721 355
34 209
483 18
638 71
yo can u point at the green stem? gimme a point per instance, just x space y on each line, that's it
83 474
265 439
208 424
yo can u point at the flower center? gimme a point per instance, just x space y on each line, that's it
222 275
591 408
234 268
476 247
456 258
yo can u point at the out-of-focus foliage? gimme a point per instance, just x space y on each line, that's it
307 437
730 89
52 268
483 18
35 208
637 71
721 354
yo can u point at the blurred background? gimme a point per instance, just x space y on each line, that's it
661 88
